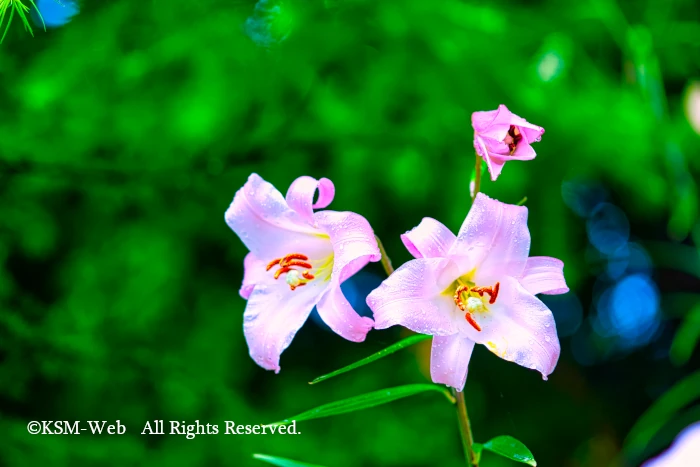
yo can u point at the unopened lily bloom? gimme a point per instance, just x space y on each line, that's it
298 259
476 287
685 451
500 136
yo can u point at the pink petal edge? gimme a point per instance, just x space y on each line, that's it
339 315
269 325
494 238
544 275
521 329
449 360
300 195
430 239
259 215
412 297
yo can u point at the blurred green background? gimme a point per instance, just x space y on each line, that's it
125 134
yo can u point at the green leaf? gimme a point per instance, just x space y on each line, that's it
686 338
282 462
663 410
508 447
366 401
382 353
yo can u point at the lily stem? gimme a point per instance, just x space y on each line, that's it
477 177
386 262
465 430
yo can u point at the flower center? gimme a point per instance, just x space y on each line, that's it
513 138
475 300
287 266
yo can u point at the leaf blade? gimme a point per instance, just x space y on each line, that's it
661 411
366 401
510 448
282 461
376 356
687 337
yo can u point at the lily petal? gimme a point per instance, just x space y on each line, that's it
523 152
413 297
260 217
449 360
300 196
544 275
253 272
495 167
520 328
493 238
353 241
339 315
530 132
269 324
431 239
485 121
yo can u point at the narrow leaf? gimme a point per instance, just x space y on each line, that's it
686 338
509 447
366 401
382 353
282 462
662 411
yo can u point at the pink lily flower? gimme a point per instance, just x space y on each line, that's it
500 136
684 452
477 287
298 259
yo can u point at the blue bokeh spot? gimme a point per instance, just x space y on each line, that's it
55 13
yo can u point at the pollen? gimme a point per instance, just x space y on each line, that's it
294 277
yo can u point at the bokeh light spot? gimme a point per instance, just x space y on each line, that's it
608 228
55 13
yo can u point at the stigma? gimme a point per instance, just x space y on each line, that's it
294 277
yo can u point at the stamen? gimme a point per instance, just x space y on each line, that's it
281 271
496 288
492 291
295 278
285 261
472 321
296 262
458 297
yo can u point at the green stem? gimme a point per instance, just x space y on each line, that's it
386 262
477 177
465 430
